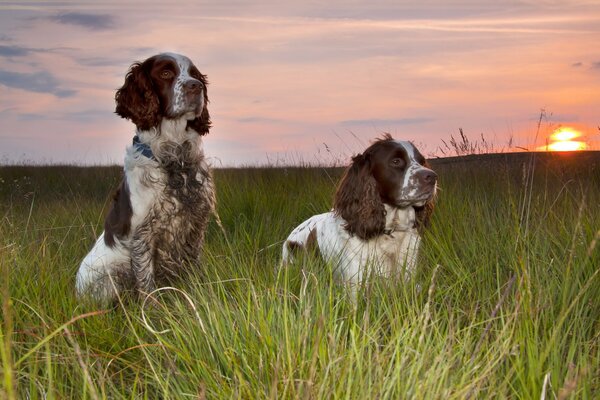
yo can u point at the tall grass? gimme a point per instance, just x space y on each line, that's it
505 303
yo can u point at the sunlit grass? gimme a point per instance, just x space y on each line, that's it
505 303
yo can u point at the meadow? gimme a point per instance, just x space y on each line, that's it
505 303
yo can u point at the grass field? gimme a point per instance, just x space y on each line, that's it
509 305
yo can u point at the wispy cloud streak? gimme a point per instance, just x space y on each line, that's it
39 82
88 21
387 122
14 51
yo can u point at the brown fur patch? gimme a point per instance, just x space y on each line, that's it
309 245
358 202
118 220
294 246
311 241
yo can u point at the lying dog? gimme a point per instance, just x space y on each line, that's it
383 201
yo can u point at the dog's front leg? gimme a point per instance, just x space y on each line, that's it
142 263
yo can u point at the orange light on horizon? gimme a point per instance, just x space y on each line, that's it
564 134
562 140
566 145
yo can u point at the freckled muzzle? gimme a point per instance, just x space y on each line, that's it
193 90
192 87
189 97
426 177
425 181
420 188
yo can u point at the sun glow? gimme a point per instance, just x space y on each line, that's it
566 145
564 134
562 140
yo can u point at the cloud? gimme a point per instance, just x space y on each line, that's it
98 61
20 51
592 65
85 116
254 120
33 117
90 115
95 22
14 51
387 122
38 82
117 58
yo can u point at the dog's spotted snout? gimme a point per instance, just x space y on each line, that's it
427 176
193 86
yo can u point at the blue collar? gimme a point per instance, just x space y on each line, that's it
143 148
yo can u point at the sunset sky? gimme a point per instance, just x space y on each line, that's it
307 81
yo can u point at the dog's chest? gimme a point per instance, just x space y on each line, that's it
186 197
175 196
184 182
397 251
391 246
179 215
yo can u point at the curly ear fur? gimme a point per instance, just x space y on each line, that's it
423 214
358 202
136 99
202 123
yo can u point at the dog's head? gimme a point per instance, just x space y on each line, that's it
388 172
165 86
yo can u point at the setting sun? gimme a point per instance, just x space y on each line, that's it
564 134
562 140
566 145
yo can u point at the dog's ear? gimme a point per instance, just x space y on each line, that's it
136 99
357 200
423 214
202 123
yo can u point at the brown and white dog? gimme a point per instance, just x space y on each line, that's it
156 225
383 201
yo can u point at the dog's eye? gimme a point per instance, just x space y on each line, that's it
397 163
166 74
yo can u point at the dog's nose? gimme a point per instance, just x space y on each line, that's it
427 176
193 86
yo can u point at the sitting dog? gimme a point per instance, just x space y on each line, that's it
382 202
156 224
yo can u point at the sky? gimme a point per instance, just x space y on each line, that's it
309 82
